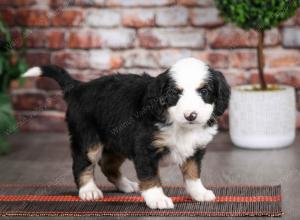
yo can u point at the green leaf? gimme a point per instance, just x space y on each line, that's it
7 120
4 146
257 14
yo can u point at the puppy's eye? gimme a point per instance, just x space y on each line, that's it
203 91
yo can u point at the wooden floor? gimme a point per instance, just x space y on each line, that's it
44 158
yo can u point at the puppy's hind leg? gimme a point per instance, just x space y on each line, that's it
83 169
110 164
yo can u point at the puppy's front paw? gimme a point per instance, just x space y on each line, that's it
90 192
156 199
203 195
127 186
198 192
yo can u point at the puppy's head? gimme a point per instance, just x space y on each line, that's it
189 94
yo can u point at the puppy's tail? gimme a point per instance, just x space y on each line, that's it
60 75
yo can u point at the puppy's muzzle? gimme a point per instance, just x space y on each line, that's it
190 116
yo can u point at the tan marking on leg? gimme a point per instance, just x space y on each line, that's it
110 164
86 175
94 153
150 183
190 169
160 142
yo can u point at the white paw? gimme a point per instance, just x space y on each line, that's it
156 199
198 192
90 192
203 195
127 186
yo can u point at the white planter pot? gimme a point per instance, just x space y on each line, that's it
262 119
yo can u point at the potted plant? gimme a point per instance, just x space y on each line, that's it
11 68
264 115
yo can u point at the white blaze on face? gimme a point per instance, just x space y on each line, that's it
189 74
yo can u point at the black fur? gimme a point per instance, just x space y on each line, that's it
221 91
120 112
60 75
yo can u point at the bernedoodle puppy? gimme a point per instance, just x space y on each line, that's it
153 121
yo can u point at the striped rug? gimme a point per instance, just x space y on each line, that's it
62 200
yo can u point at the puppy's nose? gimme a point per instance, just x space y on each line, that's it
190 116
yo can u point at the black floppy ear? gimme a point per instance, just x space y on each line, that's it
222 90
156 95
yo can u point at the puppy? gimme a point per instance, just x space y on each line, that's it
153 121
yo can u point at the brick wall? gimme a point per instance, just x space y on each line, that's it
96 37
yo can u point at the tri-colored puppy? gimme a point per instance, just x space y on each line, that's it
152 121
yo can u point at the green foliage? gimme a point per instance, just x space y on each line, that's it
257 14
11 68
7 122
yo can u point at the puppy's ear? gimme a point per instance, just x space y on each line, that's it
156 95
222 90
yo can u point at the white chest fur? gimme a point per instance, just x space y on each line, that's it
183 142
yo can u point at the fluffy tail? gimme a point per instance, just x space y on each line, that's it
60 75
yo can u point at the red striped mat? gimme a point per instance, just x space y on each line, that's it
62 200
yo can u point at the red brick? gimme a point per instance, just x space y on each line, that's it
284 77
134 3
228 37
5 2
179 37
270 78
71 59
36 39
140 71
55 101
297 16
206 17
288 77
36 58
29 83
172 16
243 59
17 37
88 75
235 78
68 17
23 2
47 84
195 2
84 39
103 18
8 15
215 59
295 78
167 57
138 18
139 58
105 60
117 38
29 100
282 58
56 39
33 17
41 121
